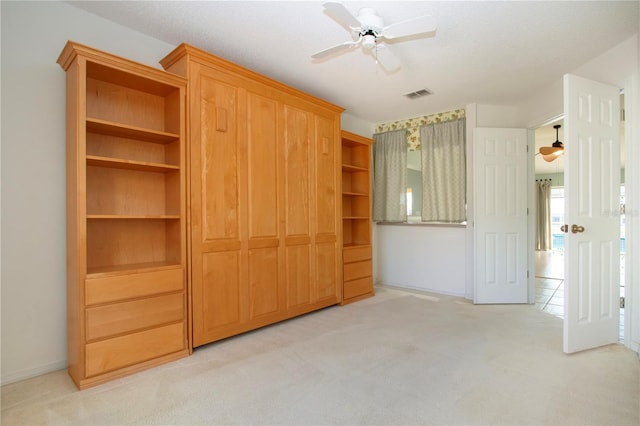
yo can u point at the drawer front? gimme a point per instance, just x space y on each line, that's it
358 287
124 317
356 270
111 289
355 254
123 351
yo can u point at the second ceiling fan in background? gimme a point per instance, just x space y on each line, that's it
550 153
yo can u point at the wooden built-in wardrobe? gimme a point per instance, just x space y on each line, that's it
264 184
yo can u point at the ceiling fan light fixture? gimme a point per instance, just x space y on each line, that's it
551 157
368 41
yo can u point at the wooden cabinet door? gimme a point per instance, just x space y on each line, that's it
263 252
216 174
297 209
236 253
311 188
326 226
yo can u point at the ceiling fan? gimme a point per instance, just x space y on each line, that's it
368 30
550 153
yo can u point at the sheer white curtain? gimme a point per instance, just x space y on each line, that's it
444 171
390 176
543 214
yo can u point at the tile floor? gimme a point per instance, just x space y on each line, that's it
550 295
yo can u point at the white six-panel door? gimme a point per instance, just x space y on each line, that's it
500 215
592 209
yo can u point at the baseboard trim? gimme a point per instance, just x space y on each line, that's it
418 289
28 373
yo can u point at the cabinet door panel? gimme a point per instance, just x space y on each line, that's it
220 295
297 171
262 157
326 177
327 271
219 165
263 281
298 275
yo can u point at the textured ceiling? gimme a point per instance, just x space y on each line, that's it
486 52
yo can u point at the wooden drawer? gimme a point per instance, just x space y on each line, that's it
124 317
120 287
357 270
123 351
357 287
354 254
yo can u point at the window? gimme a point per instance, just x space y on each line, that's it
429 181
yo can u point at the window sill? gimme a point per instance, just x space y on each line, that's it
427 224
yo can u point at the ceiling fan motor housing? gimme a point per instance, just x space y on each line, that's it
371 26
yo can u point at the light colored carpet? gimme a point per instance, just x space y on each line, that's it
397 358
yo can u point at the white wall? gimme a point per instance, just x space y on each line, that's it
357 125
430 258
33 172
448 267
614 67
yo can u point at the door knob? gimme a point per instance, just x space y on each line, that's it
577 228
564 228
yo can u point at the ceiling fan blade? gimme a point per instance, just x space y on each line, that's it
340 14
335 49
550 150
386 58
413 26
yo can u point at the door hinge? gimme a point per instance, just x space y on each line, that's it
527 274
622 302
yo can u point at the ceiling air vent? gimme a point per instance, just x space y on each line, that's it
417 94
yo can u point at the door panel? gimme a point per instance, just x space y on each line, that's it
298 275
220 298
326 271
297 182
297 171
592 200
500 219
262 153
218 148
263 281
326 177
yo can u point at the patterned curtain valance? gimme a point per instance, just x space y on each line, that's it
413 125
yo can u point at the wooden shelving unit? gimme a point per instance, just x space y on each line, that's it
126 215
356 217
